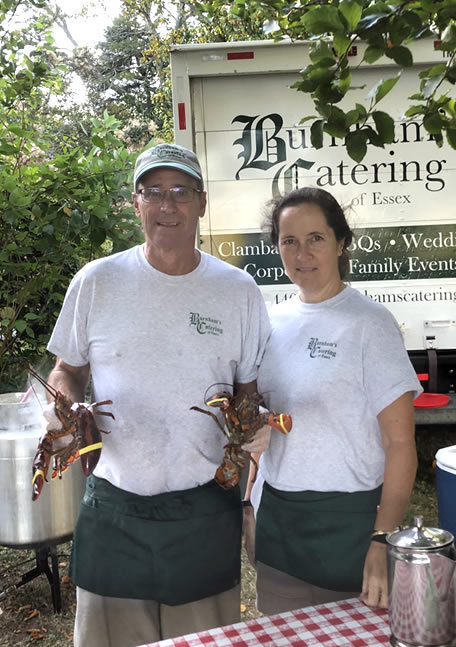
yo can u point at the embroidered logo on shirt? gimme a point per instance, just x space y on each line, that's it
206 325
324 349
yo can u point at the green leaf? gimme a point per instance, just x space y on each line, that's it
372 54
371 20
341 43
352 117
30 332
98 141
8 149
356 145
20 325
17 130
385 126
97 237
323 20
382 88
345 80
325 62
430 86
328 93
451 137
335 129
435 70
450 107
316 133
320 51
399 29
449 37
451 74
19 199
305 85
433 123
400 55
415 110
437 138
373 137
361 110
352 12
304 119
9 183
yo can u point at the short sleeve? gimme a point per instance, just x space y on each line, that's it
69 337
387 370
255 333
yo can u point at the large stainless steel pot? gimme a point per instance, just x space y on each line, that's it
52 517
421 569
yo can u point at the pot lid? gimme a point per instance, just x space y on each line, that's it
420 537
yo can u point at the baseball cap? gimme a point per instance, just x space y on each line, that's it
167 155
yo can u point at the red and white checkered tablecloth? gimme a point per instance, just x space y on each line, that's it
349 622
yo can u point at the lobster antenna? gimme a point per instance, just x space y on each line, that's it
216 384
38 378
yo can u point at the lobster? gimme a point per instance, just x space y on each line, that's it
78 422
242 418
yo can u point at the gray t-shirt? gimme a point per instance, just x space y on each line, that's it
334 366
155 344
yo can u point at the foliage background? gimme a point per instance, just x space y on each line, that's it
65 165
63 198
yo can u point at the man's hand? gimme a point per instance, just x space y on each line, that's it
51 420
52 423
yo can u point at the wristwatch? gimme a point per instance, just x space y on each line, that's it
380 536
246 503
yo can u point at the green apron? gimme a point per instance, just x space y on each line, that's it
173 548
319 537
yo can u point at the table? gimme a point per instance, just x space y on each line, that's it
349 622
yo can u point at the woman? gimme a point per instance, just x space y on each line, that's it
341 480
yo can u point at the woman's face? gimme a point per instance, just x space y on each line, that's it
309 251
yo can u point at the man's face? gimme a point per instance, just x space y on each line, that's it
168 224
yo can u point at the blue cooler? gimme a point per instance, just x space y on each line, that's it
446 488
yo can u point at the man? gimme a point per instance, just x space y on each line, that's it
156 550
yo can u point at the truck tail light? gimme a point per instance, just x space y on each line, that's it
232 56
181 115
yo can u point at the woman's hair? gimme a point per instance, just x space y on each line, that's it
333 212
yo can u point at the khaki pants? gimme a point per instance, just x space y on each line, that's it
278 592
120 622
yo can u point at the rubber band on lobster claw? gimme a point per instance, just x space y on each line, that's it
243 414
78 422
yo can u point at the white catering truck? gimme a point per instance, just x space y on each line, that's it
233 105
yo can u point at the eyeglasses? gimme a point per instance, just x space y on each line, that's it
180 194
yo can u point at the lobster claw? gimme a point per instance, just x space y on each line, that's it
39 478
90 453
221 400
281 421
90 456
228 474
40 468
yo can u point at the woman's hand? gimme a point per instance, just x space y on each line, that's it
375 582
248 531
260 441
